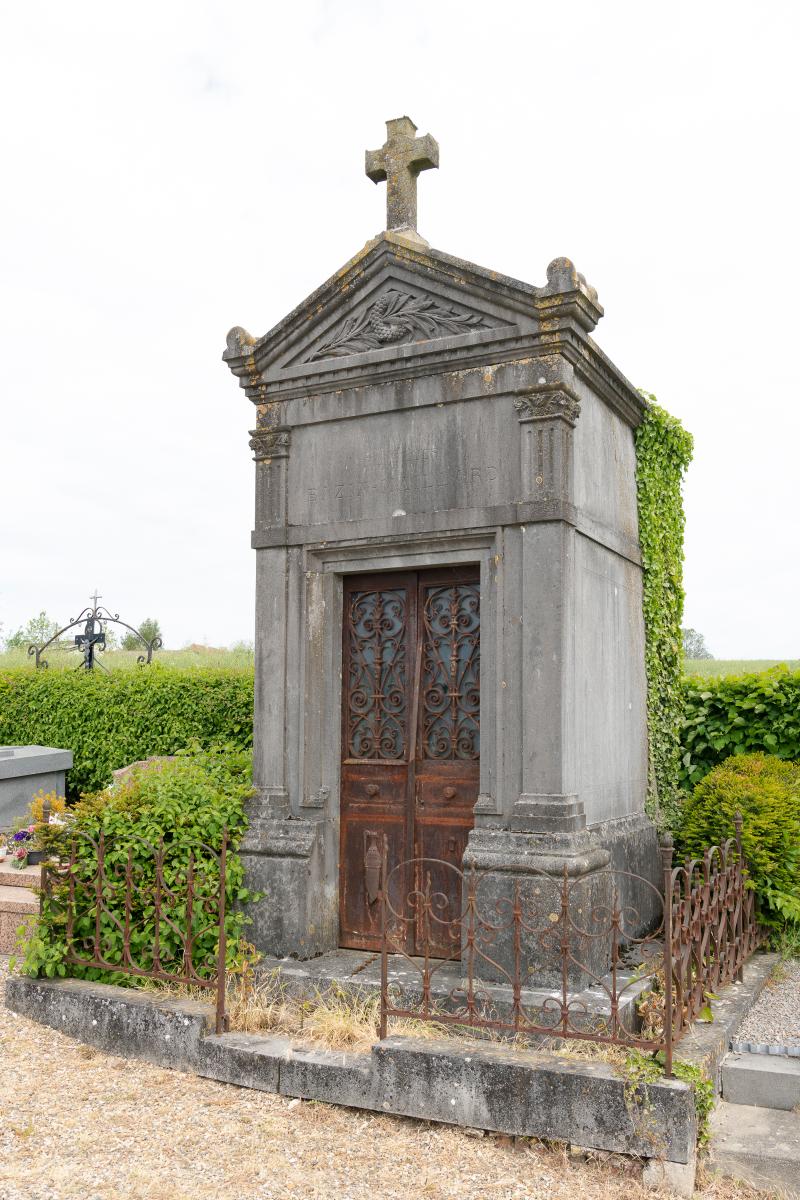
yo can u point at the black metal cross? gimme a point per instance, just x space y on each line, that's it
399 162
93 636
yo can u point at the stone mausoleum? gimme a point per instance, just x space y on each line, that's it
449 630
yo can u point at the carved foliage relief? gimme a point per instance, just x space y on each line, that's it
395 318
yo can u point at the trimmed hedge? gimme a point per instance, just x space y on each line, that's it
108 721
739 714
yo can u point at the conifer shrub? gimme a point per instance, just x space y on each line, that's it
766 790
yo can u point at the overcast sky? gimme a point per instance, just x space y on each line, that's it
172 169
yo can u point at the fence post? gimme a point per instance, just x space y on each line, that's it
222 944
740 881
384 957
666 860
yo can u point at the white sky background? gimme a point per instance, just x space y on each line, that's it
170 170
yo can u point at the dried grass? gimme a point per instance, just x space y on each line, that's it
337 1018
84 1125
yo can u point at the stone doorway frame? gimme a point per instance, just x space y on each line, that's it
325 568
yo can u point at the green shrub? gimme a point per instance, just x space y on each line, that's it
108 721
766 791
184 805
739 714
663 453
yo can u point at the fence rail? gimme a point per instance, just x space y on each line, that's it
699 939
156 916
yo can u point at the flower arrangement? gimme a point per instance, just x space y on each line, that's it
20 845
37 837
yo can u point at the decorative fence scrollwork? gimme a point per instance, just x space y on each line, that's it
660 960
154 916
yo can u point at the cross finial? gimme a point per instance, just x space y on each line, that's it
95 597
399 162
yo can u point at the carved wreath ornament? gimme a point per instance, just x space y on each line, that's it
398 317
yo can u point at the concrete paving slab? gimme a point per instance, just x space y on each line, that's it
17 900
758 1145
766 1081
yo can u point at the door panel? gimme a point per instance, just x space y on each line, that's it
411 743
374 806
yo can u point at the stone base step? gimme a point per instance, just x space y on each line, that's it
763 1080
16 906
759 1145
26 878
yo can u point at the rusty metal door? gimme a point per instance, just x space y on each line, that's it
410 738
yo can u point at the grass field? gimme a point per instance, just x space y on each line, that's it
733 666
114 660
242 657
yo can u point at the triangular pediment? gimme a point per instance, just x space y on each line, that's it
398 313
394 301
400 306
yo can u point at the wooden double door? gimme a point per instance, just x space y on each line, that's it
410 743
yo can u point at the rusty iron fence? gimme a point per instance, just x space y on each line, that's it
661 956
155 915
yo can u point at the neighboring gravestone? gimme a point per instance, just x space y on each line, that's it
25 770
449 637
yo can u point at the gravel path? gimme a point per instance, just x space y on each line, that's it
78 1124
774 1019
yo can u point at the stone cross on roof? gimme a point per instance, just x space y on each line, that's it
399 162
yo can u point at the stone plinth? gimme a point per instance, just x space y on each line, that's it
25 770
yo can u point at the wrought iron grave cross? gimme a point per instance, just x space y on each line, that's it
399 162
94 634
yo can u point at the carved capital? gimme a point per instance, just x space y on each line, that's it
267 444
547 402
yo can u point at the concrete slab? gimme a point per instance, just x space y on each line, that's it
758 1145
15 899
763 1080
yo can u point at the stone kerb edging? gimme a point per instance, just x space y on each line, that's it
773 1048
518 1093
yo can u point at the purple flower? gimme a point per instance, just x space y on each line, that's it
22 836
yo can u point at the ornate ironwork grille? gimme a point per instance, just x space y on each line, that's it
450 692
377 703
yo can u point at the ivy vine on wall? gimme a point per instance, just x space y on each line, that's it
663 453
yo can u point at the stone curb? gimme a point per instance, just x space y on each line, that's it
761 1081
514 1092
765 1048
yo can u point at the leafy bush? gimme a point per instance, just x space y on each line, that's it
108 721
766 791
663 453
738 715
184 805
